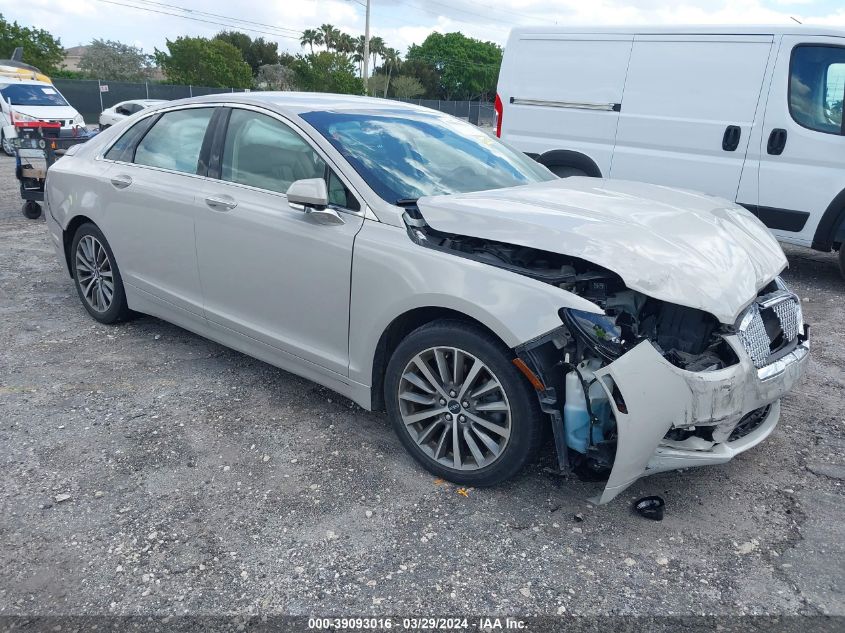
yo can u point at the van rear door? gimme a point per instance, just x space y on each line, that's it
802 147
561 93
688 108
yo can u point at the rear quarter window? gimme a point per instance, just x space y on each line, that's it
124 149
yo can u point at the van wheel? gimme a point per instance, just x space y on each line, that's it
842 259
564 171
460 406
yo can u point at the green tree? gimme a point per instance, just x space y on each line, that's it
327 72
40 48
377 47
406 87
467 68
426 74
202 62
392 61
275 77
376 84
310 37
256 52
105 59
329 35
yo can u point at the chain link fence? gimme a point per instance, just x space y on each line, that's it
91 96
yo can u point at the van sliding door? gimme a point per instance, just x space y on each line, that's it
688 109
562 92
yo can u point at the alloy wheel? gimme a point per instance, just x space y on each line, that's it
94 273
454 408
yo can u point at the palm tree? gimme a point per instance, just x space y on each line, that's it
345 44
330 35
309 38
392 61
376 48
358 55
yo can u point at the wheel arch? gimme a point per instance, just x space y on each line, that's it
570 158
67 237
831 224
398 329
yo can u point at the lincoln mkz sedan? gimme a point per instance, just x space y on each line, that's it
413 263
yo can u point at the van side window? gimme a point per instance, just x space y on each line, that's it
817 87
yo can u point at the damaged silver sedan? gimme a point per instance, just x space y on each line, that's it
412 263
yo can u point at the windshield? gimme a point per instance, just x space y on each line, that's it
32 95
404 155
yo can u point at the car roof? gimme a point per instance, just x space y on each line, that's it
152 101
296 103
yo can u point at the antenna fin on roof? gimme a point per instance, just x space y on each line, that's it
17 56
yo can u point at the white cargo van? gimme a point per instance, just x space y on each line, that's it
751 114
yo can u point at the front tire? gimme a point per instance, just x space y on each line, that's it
96 276
8 150
460 406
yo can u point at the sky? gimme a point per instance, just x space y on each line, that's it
399 22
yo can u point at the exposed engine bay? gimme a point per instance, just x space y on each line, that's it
566 360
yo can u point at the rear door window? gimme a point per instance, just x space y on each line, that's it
817 87
175 141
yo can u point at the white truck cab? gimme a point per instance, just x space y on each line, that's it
750 114
31 99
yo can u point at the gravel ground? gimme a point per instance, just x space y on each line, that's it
146 470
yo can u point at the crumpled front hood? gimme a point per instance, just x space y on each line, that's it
682 247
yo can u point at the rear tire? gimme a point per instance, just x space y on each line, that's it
565 171
96 276
490 409
842 259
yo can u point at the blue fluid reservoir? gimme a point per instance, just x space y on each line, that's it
576 419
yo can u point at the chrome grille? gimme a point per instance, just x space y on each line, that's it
753 337
752 329
789 315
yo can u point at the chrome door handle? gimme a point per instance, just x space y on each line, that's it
121 181
221 203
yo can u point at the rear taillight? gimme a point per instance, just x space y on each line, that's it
497 105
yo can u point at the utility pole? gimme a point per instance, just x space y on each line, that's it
367 49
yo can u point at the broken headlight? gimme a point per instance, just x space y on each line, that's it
598 331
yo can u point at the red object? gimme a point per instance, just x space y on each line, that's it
32 124
497 106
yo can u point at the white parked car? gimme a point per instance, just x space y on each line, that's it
31 100
409 261
750 114
120 111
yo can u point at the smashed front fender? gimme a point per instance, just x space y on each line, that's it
657 396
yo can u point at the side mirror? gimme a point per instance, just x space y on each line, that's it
309 192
